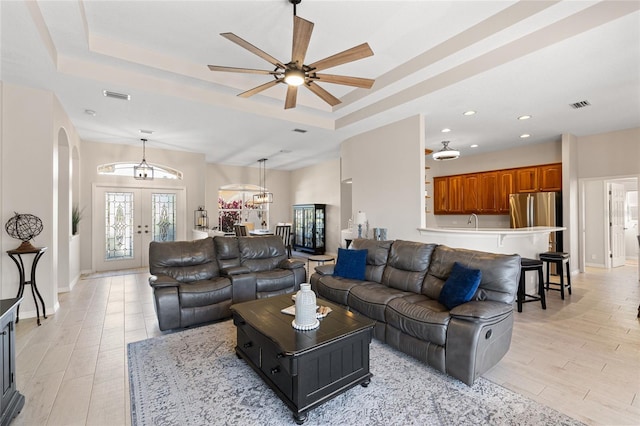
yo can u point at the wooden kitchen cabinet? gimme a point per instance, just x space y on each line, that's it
455 191
440 195
470 193
550 176
527 179
506 187
488 192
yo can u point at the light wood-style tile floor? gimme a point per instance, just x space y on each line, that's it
580 356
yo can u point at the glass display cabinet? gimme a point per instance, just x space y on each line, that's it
309 228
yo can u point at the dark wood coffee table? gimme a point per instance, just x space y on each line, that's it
304 368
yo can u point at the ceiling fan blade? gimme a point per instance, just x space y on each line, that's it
260 88
364 83
244 70
301 36
292 95
251 48
349 55
323 94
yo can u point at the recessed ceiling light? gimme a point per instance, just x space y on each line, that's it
470 112
525 135
445 130
475 145
90 112
524 117
146 132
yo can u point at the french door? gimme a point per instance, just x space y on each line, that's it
126 220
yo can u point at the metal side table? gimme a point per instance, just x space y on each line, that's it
16 256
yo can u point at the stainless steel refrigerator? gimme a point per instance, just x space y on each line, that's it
538 209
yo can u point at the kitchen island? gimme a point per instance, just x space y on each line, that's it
527 242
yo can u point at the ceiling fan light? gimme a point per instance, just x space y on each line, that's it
446 153
293 77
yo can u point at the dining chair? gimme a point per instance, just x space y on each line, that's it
284 231
241 230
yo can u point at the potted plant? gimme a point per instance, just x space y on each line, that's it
76 216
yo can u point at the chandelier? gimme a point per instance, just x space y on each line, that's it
143 171
263 197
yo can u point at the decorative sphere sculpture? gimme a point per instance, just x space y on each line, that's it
24 227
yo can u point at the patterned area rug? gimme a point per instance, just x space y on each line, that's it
193 377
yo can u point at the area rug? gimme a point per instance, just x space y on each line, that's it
193 377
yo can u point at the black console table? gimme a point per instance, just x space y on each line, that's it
12 400
16 256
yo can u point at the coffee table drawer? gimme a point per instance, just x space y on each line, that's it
248 345
265 356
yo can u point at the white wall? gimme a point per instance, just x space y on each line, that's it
595 213
386 166
278 182
320 184
599 158
27 145
95 153
609 154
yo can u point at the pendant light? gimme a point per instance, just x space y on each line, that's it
263 197
446 153
143 171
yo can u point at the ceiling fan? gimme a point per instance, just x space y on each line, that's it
296 73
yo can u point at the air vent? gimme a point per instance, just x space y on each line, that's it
115 95
300 130
147 132
580 104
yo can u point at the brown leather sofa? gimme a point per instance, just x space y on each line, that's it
195 282
403 280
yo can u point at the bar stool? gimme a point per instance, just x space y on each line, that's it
525 266
557 258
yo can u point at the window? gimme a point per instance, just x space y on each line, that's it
235 207
126 169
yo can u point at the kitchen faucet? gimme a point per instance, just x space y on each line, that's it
473 215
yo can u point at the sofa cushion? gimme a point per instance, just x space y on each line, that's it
261 253
351 264
335 289
500 273
371 299
274 280
227 252
377 255
420 317
460 286
185 261
407 265
205 293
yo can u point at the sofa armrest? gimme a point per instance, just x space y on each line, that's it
480 311
243 287
291 264
234 270
160 281
325 269
478 336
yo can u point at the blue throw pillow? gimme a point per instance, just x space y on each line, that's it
460 286
350 264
